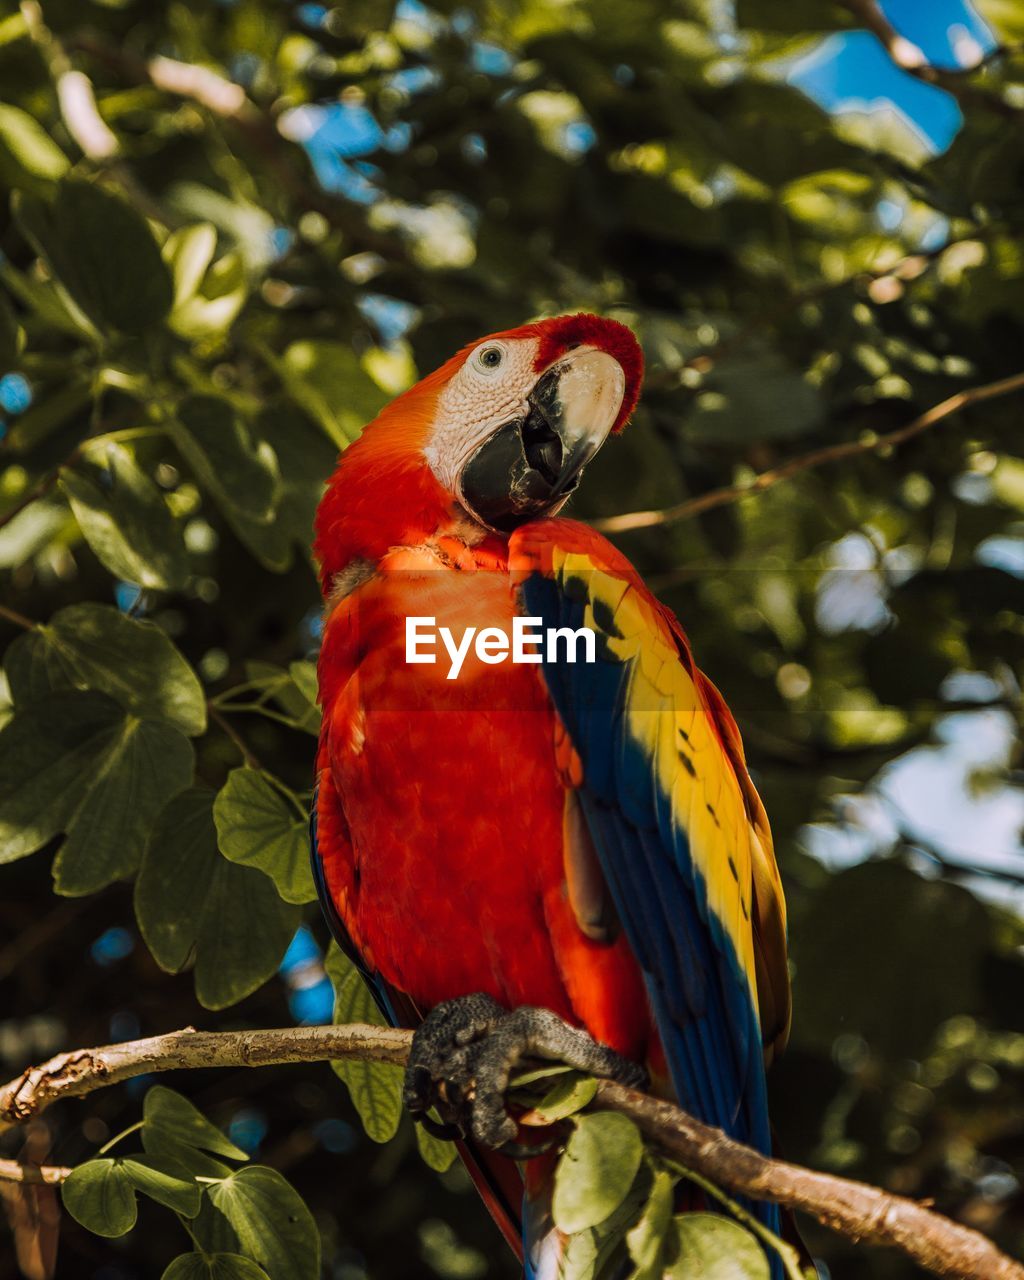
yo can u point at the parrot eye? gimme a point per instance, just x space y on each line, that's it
489 359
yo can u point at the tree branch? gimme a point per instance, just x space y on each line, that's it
36 1175
910 58
853 1209
807 461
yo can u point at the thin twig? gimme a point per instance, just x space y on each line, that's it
853 1209
807 461
19 619
910 58
222 720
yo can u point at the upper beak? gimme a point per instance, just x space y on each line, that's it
530 465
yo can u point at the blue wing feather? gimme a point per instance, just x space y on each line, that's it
699 992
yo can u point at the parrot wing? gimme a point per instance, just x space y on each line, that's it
673 819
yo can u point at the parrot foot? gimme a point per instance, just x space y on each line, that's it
463 1056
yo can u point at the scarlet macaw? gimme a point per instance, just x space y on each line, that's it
576 837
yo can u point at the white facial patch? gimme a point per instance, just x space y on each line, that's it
490 389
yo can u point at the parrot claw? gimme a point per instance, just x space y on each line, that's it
463 1056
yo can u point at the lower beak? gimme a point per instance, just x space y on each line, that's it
530 465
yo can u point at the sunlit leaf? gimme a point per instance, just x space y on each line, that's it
714 1248
125 520
597 1170
164 1180
213 1266
569 1094
438 1153
188 252
273 1225
100 1195
167 1113
29 158
376 1087
258 827
646 1241
328 381
93 646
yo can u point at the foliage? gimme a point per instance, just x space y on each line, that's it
253 1210
192 325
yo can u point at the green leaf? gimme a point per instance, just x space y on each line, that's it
706 1246
125 520
103 252
75 762
272 1222
95 646
12 338
589 1253
188 252
169 1115
293 691
646 1241
164 1180
220 295
568 1095
328 381
258 827
213 1266
597 1170
438 1153
29 158
375 1087
192 904
241 473
48 300
304 675
99 1194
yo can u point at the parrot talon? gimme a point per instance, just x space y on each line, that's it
463 1056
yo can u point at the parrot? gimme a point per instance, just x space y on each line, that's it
561 857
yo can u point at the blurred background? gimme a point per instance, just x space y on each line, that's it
811 213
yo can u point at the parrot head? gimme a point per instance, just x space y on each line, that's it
498 436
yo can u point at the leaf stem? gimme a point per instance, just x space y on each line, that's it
234 735
18 619
132 1128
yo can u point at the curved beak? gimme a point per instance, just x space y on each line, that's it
530 465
